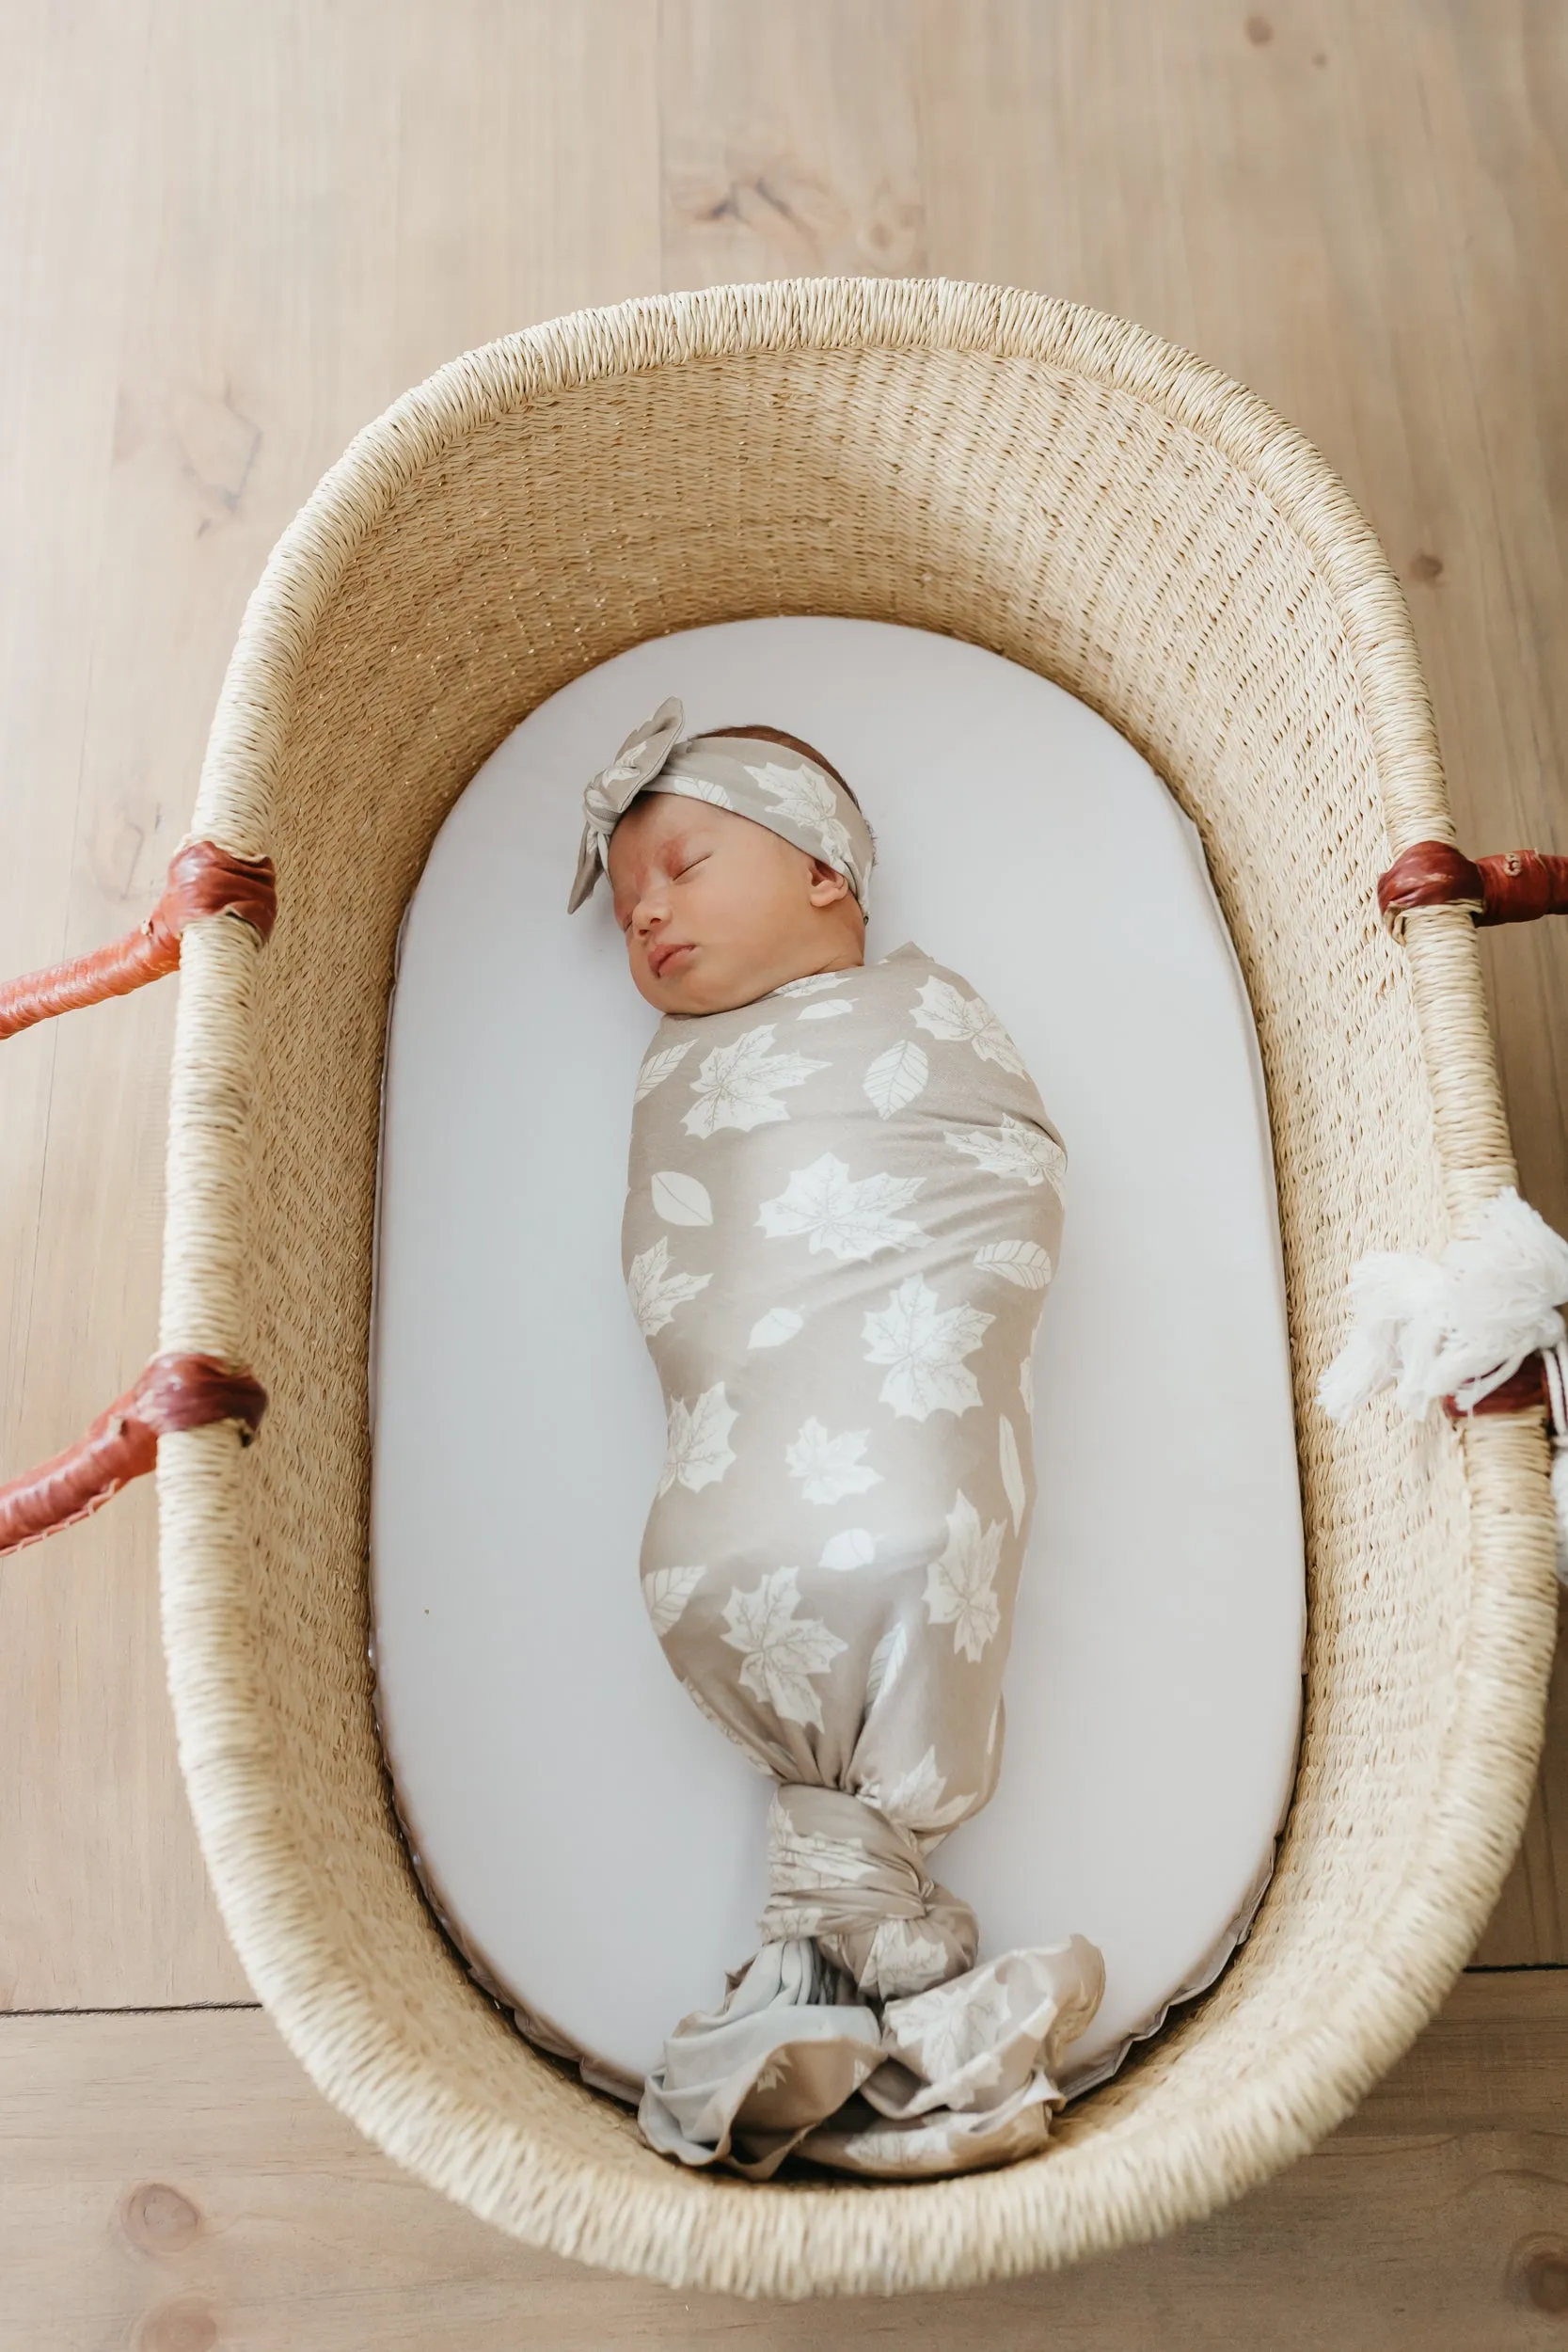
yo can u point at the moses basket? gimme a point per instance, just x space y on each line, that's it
1079 496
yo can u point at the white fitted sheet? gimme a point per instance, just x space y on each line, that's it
592 1844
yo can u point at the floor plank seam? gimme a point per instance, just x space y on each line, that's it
1515 1967
134 2008
191 2009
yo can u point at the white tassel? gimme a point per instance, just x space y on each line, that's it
1461 1325
1397 1306
1509 1278
1557 1400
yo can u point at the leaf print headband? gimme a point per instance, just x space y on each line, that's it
790 793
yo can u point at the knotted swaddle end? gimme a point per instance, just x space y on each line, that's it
962 2066
840 1872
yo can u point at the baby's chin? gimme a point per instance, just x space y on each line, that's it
705 981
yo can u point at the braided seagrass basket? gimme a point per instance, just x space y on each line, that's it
1075 495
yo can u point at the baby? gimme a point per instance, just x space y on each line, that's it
843 1212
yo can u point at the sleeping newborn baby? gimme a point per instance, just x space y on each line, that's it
843 1212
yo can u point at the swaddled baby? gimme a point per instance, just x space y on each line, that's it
843 1212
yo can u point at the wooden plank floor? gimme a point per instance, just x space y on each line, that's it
200 2195
233 230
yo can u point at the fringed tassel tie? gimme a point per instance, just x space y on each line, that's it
1461 1326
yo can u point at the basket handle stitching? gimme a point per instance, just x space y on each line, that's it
1519 887
174 1391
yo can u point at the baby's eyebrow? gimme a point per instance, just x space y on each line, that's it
674 847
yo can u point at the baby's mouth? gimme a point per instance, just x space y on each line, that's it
662 957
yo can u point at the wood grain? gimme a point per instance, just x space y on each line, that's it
239 232
207 2196
234 230
1354 211
790 140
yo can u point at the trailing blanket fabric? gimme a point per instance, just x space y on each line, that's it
843 1207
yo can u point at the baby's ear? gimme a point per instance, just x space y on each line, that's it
827 883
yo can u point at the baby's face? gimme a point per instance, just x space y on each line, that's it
717 910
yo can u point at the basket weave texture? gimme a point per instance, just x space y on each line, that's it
1075 494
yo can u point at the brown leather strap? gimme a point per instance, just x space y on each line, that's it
1518 888
202 880
174 1392
1525 1388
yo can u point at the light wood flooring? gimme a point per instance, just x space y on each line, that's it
233 230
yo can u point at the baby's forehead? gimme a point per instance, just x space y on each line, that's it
658 824
656 819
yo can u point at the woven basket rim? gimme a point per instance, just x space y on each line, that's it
721 2233
653 332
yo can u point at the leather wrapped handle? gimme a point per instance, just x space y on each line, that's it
174 1392
202 880
1519 888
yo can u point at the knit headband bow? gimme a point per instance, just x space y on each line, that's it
783 790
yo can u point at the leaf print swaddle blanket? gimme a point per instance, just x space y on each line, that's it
843 1212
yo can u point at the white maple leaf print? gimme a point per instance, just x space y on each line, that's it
925 1346
666 1592
659 1066
781 1651
1026 1384
804 1861
811 984
967 1021
680 1198
739 1085
957 2027
901 1958
917 1798
773 2070
1021 1262
851 1547
898 2146
700 788
830 1468
655 1292
1012 1472
696 1452
773 1328
960 1584
828 1010
807 800
1015 1149
886 1660
895 1077
850 1216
